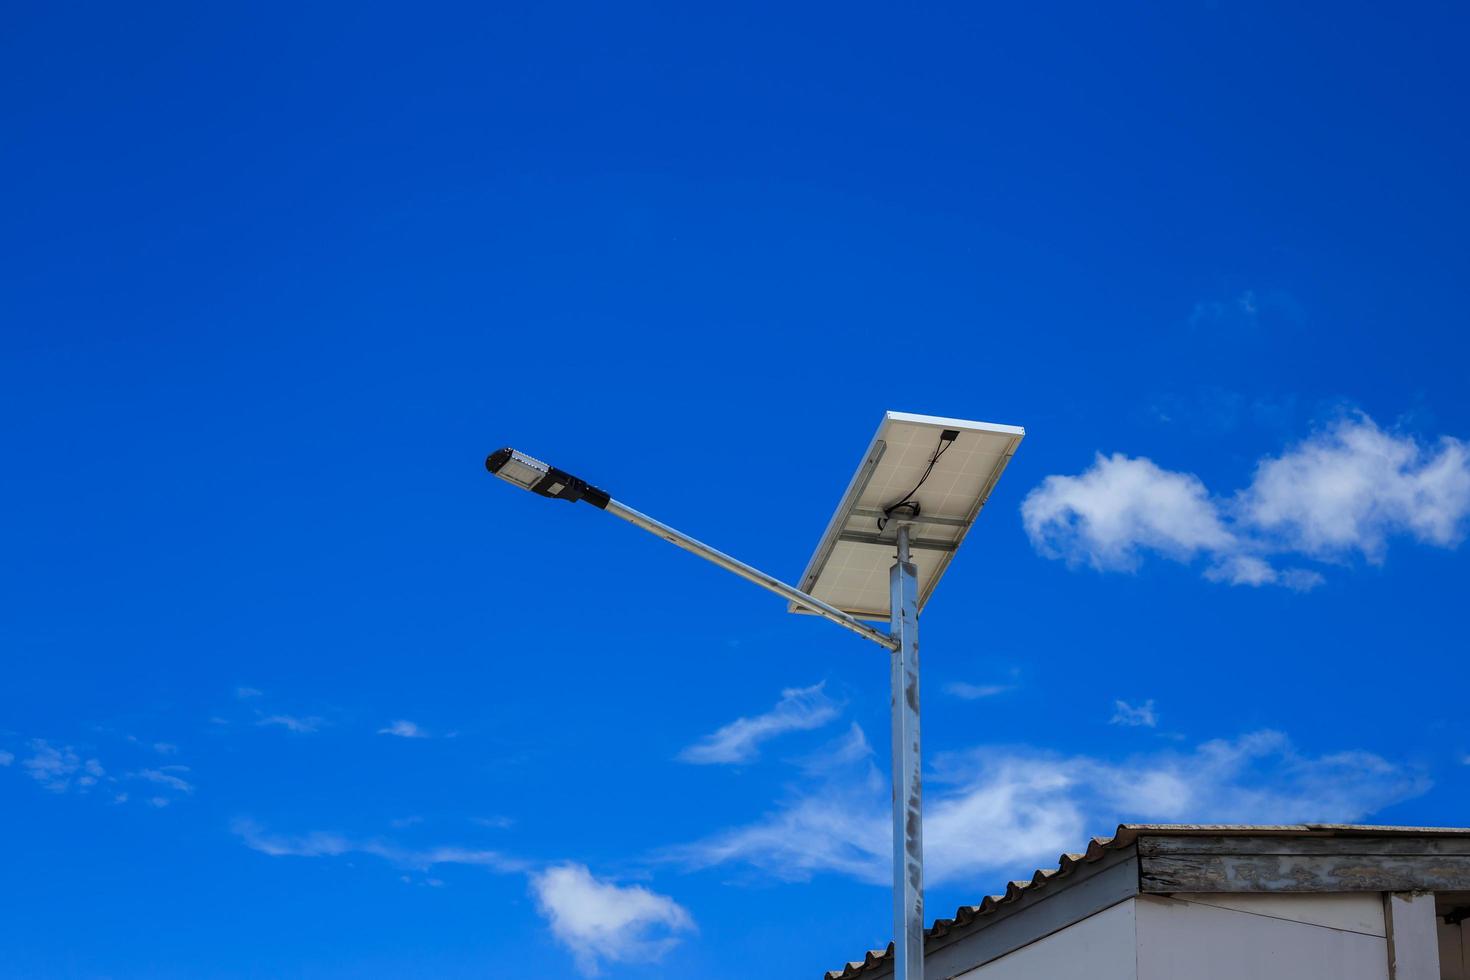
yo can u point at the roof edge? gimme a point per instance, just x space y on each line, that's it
1126 836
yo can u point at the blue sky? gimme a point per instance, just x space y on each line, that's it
293 688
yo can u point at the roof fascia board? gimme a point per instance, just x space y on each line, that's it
1149 846
1180 865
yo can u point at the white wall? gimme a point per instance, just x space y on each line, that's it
1350 911
1265 937
1225 937
1100 947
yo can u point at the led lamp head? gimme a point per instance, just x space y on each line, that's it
517 468
530 473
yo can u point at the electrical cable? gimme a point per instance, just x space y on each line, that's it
939 451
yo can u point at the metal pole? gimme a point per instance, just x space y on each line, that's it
908 830
750 574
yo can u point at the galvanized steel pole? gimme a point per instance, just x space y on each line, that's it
908 829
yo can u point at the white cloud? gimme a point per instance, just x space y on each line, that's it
246 693
800 709
165 748
404 729
1258 778
1119 507
991 812
1345 491
843 830
1351 487
6 758
990 809
1254 571
1143 715
600 920
974 692
292 723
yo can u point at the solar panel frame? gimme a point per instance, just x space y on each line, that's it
849 567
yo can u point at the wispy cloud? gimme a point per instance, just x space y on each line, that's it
246 693
326 844
599 920
495 823
840 754
404 729
1243 308
292 723
989 808
1340 494
1141 716
63 769
800 709
60 768
166 776
974 692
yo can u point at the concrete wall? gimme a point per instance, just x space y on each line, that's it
1262 937
1100 947
1454 951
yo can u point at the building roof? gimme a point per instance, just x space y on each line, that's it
1049 879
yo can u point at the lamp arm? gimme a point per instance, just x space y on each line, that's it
767 582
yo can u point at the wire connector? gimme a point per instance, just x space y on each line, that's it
909 509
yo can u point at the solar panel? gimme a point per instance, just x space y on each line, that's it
850 566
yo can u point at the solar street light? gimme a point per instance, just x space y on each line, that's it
919 488
530 473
